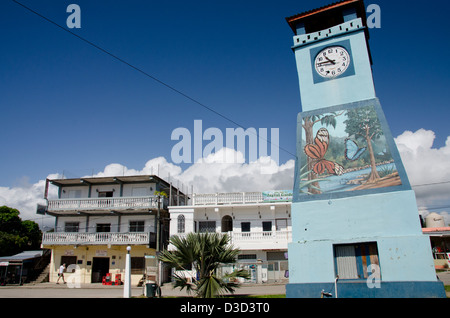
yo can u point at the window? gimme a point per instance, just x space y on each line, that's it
71 226
137 226
137 265
180 224
103 227
246 256
352 260
267 226
105 194
245 226
227 223
207 226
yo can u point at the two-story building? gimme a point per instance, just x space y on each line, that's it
259 224
97 218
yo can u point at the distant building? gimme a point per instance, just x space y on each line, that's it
440 239
97 218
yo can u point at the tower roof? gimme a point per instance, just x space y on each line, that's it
326 16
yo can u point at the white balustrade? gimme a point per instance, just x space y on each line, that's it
227 198
258 240
86 204
75 238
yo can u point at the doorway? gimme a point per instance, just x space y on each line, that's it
227 224
100 267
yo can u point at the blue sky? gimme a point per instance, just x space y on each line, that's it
67 107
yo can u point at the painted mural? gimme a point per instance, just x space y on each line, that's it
345 150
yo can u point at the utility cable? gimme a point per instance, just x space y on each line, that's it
143 72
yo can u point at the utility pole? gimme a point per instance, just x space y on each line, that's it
127 283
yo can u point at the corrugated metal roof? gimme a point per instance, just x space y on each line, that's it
109 180
22 256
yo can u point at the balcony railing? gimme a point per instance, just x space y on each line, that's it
227 198
114 203
75 238
260 239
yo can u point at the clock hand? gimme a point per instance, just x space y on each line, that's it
326 62
332 61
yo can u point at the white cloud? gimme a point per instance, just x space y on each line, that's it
428 170
25 197
218 172
423 163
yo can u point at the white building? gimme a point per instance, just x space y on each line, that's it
97 218
259 224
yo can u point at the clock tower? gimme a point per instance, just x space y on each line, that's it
355 224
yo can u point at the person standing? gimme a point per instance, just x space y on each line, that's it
62 268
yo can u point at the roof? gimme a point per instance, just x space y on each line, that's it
437 231
300 17
108 180
22 256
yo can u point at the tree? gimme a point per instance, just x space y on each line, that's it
17 235
204 252
364 124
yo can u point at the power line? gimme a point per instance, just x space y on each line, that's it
428 184
143 72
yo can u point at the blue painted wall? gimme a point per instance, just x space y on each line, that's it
360 290
390 219
335 92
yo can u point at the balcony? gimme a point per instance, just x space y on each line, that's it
111 238
259 240
241 197
122 204
227 198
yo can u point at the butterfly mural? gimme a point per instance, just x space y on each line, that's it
352 150
317 152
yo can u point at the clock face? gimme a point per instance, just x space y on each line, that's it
332 61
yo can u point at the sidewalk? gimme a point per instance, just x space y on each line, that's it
52 290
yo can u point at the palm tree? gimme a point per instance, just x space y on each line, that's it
205 252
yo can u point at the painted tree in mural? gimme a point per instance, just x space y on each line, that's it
308 124
364 124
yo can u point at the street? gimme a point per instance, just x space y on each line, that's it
52 290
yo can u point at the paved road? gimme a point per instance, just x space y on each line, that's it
52 290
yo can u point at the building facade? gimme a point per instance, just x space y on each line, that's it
258 223
97 218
